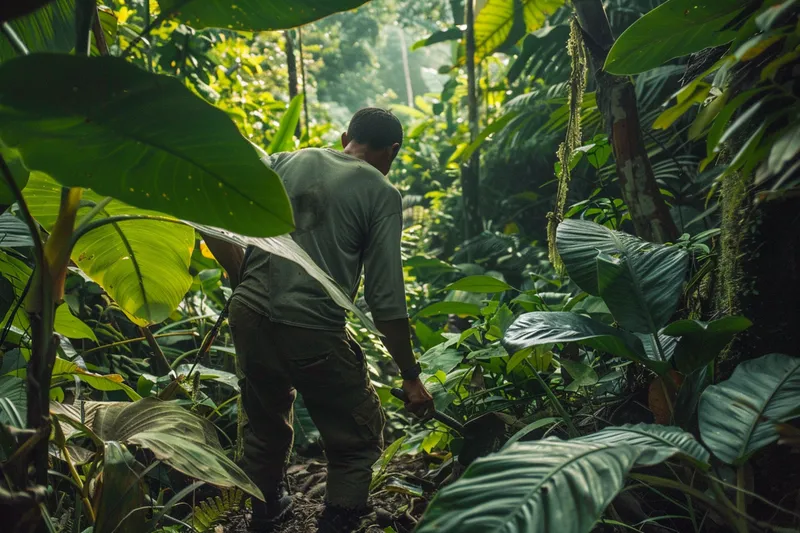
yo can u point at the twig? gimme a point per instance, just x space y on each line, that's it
572 430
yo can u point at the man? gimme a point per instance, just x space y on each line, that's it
290 334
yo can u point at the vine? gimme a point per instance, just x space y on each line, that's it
577 86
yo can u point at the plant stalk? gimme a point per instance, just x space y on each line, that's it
571 429
75 476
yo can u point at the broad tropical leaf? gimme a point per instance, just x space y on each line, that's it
557 486
450 34
662 439
282 141
49 29
480 284
495 21
176 436
675 28
71 326
533 329
701 342
142 264
121 491
100 123
64 370
12 10
18 172
450 308
738 417
14 233
254 15
285 247
640 282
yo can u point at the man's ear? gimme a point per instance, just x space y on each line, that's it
395 150
345 140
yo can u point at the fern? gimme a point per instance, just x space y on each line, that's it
216 509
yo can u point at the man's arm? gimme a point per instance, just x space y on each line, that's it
229 255
384 291
397 339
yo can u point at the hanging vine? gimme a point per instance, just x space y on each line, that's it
577 86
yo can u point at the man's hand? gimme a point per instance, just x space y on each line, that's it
418 400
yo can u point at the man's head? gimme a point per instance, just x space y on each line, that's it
374 135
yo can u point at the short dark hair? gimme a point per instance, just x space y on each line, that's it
375 127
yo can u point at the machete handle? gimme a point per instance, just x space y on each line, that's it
447 420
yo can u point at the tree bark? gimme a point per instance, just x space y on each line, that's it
291 66
470 172
616 98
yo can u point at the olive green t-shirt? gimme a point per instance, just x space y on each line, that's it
348 216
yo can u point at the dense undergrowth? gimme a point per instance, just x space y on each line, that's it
607 382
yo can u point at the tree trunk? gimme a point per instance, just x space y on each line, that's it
616 98
303 75
406 69
470 172
291 66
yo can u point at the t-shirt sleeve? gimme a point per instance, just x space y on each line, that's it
384 288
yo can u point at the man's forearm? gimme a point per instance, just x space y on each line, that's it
397 339
229 255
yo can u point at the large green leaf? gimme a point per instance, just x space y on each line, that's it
557 486
495 21
701 342
121 491
254 15
640 282
534 329
479 284
14 233
18 8
67 370
176 436
18 172
661 439
675 28
284 246
282 141
49 29
142 264
738 417
71 326
142 138
450 308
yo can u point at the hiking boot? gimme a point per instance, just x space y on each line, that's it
336 519
269 514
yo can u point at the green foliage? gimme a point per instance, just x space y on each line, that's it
283 139
254 15
177 437
103 115
495 21
142 264
548 475
121 499
675 28
740 416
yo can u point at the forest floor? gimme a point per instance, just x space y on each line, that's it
398 502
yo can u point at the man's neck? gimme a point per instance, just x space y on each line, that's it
359 151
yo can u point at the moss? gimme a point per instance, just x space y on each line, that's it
577 86
734 224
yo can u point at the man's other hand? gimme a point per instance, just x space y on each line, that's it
418 400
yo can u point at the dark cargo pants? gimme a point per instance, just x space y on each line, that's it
330 372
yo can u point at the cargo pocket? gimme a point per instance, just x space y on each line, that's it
370 418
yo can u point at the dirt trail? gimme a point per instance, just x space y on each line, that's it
397 502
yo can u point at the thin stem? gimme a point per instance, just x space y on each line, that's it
572 430
74 473
741 504
97 209
13 39
691 491
85 13
99 36
145 32
137 339
162 364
